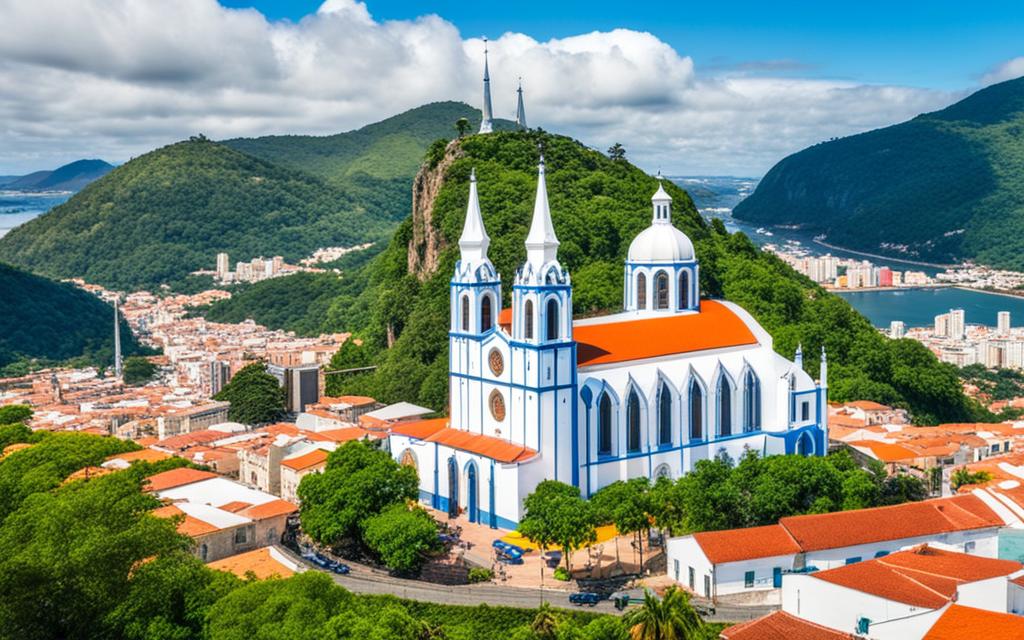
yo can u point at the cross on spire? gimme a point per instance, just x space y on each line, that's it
487 122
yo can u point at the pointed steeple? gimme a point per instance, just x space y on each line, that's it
541 243
823 371
474 240
520 109
799 358
661 203
486 124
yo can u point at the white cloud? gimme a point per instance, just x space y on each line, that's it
1013 68
115 78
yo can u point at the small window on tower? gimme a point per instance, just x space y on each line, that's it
528 320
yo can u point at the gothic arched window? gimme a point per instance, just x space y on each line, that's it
696 411
633 421
684 290
751 402
664 415
661 290
604 425
724 406
528 320
465 313
641 291
486 316
552 319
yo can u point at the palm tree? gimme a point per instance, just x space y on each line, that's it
617 152
670 618
462 125
545 624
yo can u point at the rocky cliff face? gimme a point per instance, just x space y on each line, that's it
426 243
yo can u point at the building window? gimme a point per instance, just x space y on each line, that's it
465 313
748 579
696 411
240 535
675 568
969 546
604 425
661 290
707 586
633 421
486 321
497 403
805 411
528 320
724 406
252 477
853 560
641 291
664 415
684 290
552 319
272 535
693 579
751 402
204 551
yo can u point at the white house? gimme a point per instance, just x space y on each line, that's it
648 392
720 563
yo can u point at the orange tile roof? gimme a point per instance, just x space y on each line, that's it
912 519
356 401
176 478
781 626
313 458
744 544
259 562
184 440
142 455
87 473
437 430
963 623
885 451
189 525
715 327
921 577
868 405
270 509
235 506
340 435
505 319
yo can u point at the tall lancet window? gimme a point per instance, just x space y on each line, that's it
661 290
696 411
664 415
641 291
633 421
465 313
486 315
724 406
604 425
528 320
552 319
751 402
684 290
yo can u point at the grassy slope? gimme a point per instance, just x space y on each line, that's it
54 321
168 212
948 184
598 206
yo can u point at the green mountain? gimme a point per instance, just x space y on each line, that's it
942 187
598 206
41 319
70 177
375 163
169 212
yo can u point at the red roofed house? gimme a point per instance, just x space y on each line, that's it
720 563
535 394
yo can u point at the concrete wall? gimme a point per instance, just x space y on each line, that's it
838 607
223 543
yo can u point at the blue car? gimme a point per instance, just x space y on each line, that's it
341 568
581 598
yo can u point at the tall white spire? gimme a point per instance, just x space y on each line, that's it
118 363
541 243
486 124
823 369
474 240
520 109
661 202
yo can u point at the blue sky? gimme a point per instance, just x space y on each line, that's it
941 44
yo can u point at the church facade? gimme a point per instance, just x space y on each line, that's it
648 392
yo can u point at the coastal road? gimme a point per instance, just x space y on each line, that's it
365 580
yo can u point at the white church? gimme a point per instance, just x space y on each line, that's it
648 392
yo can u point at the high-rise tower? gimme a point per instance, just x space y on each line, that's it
487 123
117 341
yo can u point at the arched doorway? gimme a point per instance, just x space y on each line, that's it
472 497
453 487
805 445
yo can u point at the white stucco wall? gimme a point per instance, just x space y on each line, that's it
838 607
985 544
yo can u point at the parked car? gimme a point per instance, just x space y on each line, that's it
581 598
703 609
341 568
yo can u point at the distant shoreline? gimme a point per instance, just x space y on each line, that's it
1005 294
933 265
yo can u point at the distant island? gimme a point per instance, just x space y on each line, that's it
944 187
73 176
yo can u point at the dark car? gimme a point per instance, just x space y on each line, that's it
581 598
341 568
510 557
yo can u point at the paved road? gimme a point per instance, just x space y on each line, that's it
363 579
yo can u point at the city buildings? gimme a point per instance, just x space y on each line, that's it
953 340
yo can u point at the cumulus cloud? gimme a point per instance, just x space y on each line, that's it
1008 70
115 78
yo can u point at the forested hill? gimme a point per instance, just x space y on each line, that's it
54 321
598 205
169 212
944 186
376 162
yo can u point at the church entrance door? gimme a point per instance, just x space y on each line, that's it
472 498
453 488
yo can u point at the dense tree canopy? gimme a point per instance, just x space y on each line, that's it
138 370
256 397
555 514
